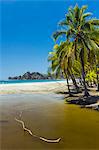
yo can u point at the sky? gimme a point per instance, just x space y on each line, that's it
26 29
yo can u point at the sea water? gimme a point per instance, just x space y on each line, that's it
24 81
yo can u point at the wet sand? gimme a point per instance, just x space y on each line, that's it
48 116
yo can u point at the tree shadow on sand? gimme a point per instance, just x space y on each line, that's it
85 102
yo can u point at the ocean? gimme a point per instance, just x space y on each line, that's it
25 81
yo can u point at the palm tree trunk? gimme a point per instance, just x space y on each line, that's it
86 93
74 82
80 80
97 78
68 84
97 83
68 87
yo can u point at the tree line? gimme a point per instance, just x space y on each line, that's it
76 50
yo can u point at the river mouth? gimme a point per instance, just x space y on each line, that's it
48 116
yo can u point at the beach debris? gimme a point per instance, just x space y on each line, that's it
36 136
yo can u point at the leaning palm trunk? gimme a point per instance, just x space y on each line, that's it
68 85
74 82
97 83
86 93
80 80
97 80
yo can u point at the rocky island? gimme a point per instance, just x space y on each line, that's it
31 76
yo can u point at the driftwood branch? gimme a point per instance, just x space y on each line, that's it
39 137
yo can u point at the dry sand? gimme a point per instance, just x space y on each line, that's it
38 87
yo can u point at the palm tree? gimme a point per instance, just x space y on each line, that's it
91 77
61 59
82 33
66 58
58 66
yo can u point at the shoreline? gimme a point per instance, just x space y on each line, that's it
36 87
59 87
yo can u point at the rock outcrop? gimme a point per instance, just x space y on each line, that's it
31 76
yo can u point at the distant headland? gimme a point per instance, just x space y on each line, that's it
31 76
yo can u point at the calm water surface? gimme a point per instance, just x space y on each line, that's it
47 115
27 81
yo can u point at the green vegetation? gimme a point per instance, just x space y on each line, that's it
77 54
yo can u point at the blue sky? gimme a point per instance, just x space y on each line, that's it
26 29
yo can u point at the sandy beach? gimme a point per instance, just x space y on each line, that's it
48 116
38 87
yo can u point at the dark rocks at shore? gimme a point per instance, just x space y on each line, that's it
31 76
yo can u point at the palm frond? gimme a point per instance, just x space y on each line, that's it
94 22
83 8
86 15
57 34
63 23
77 12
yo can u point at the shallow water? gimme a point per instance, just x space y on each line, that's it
48 116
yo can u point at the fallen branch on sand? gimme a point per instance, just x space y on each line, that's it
30 132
